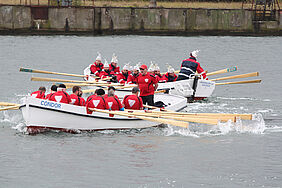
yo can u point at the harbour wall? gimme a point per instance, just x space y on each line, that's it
120 20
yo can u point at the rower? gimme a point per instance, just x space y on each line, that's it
113 102
40 94
133 101
157 72
169 76
53 90
111 89
113 65
97 66
97 101
76 98
61 95
132 78
147 84
122 78
106 71
190 66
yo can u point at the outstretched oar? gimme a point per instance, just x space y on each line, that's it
231 69
237 76
60 80
121 87
8 104
159 120
10 108
49 72
239 82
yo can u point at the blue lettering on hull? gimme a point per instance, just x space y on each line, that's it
50 104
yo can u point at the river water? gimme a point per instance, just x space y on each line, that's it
244 155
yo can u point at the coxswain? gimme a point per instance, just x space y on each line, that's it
97 66
111 89
53 90
76 98
122 77
190 66
147 84
133 101
97 101
40 94
132 78
106 71
113 66
113 102
157 73
61 95
169 76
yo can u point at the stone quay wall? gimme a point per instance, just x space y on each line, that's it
120 20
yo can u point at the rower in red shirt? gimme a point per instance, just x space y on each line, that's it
147 84
97 66
61 95
53 90
169 76
76 98
111 88
40 94
157 73
133 101
113 65
122 77
132 78
106 71
113 102
97 101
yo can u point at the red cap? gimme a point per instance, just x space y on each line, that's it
143 67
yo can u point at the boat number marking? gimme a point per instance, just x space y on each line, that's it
50 104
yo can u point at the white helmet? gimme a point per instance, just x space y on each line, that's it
156 67
114 59
170 69
126 67
106 64
195 53
151 67
99 57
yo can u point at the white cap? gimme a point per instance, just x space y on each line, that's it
114 59
99 57
195 53
156 67
170 69
136 67
151 68
106 64
126 67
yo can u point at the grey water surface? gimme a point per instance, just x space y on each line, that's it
247 154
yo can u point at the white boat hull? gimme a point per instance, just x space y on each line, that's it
40 113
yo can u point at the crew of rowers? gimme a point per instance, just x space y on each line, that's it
128 74
98 100
147 81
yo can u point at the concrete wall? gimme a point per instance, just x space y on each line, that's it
138 21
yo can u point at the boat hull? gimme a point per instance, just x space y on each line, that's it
43 114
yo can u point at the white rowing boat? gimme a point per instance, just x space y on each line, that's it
186 88
40 115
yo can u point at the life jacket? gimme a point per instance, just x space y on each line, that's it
114 69
60 96
122 78
38 94
188 67
114 103
132 78
132 102
96 69
105 74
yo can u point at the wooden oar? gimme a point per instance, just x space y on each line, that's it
8 104
237 76
10 108
59 80
160 91
49 72
204 120
121 87
159 120
231 69
161 109
239 82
